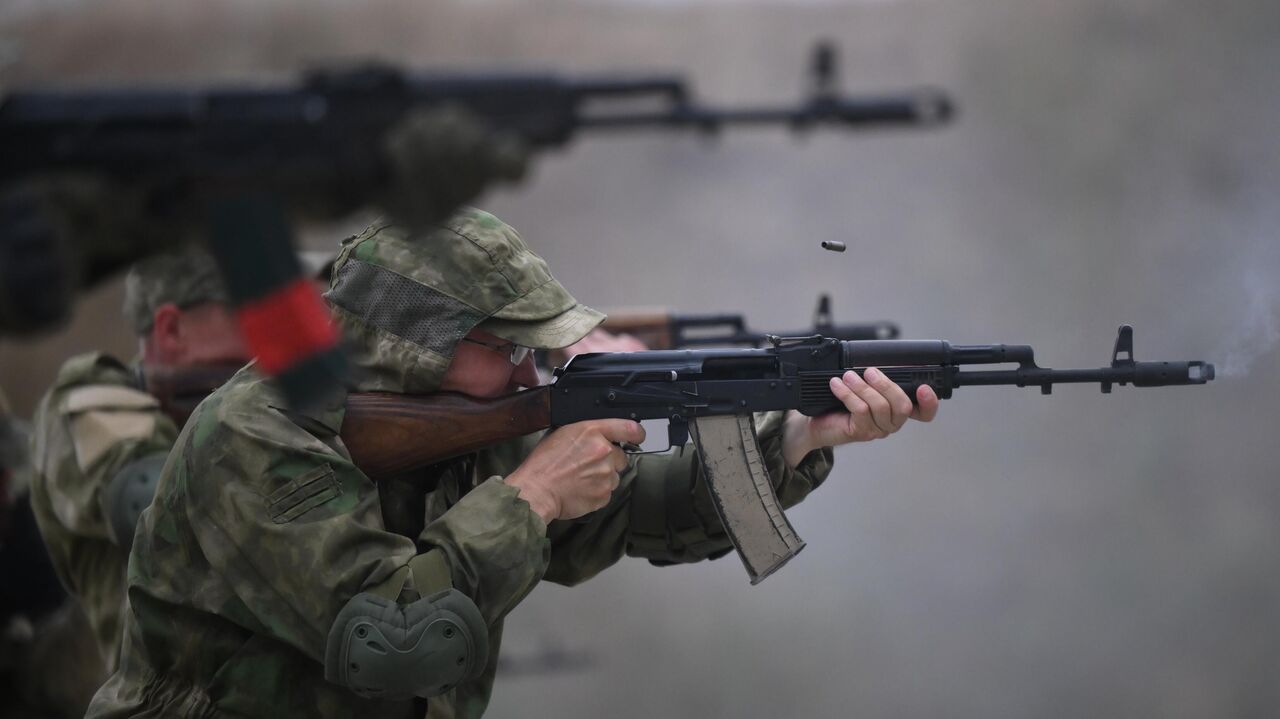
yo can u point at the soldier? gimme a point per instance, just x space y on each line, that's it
270 577
100 439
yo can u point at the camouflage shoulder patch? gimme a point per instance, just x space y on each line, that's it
95 432
95 392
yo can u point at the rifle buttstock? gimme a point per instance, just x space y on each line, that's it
388 434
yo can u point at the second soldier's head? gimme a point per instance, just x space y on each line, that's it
177 306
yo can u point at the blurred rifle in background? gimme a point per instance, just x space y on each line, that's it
663 330
96 179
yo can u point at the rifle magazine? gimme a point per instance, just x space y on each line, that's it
743 493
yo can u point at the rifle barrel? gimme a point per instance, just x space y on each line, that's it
1140 374
924 108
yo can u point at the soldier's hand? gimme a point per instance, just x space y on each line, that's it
440 158
876 408
574 470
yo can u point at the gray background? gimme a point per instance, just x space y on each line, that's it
1079 554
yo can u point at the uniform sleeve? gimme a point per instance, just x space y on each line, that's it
496 546
663 510
292 529
295 530
84 436
86 430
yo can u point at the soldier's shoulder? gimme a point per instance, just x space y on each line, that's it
242 439
96 414
95 380
96 368
250 408
244 399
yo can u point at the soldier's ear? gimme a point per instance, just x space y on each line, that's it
167 336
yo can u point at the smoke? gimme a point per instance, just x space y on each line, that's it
1259 333
1256 264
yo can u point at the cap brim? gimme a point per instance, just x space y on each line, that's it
552 333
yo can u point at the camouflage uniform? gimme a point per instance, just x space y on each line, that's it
93 422
263 529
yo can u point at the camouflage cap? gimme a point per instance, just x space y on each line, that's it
408 299
184 278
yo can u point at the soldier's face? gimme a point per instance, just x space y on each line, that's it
482 367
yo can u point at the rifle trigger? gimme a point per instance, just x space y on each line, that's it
677 431
677 436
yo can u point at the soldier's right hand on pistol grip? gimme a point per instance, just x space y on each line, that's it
574 470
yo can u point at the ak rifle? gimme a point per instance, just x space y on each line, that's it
709 395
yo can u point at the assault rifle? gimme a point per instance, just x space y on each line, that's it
709 395
323 137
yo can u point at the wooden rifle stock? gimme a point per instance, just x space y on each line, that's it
388 434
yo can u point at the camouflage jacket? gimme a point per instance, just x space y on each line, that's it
91 423
262 530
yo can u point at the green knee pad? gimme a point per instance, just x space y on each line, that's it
383 650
